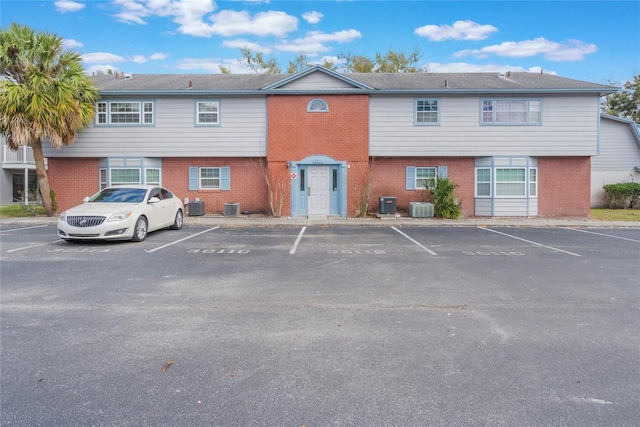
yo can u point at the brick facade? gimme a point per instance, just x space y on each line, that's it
564 187
389 180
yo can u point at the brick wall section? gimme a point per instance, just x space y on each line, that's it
247 183
73 179
389 179
342 133
564 186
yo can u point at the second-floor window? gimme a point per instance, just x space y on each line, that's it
511 111
427 112
207 112
125 113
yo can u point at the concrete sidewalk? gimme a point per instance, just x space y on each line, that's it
256 220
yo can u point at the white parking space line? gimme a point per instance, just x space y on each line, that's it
23 228
416 242
603 234
34 246
182 240
295 245
529 241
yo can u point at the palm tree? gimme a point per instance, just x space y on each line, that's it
44 95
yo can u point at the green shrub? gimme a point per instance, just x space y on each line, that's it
444 201
622 195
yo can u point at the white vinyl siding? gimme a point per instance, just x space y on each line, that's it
570 128
242 133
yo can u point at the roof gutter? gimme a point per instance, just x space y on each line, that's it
449 91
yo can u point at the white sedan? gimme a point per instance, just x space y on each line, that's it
124 212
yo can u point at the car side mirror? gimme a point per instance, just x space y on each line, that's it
153 200
86 199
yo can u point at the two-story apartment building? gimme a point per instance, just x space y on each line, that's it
517 144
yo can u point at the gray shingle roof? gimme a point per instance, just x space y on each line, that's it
417 82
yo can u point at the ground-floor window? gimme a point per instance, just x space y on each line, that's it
507 182
209 178
506 186
128 171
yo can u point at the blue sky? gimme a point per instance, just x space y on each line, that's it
596 41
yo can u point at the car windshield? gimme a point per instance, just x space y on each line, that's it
120 195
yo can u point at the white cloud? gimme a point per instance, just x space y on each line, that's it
196 18
139 59
241 43
464 67
312 17
271 23
460 30
68 6
102 58
70 44
572 50
315 42
159 56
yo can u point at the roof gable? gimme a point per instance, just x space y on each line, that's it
318 78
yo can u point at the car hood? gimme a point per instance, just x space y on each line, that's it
99 208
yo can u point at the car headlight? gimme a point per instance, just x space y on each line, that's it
62 217
120 216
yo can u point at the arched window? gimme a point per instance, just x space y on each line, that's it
317 106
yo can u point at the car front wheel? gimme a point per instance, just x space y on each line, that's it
140 231
177 223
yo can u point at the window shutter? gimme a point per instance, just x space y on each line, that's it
193 177
411 178
442 172
225 178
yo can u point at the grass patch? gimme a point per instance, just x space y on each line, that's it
615 214
20 211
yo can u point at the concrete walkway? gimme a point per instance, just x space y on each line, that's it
390 221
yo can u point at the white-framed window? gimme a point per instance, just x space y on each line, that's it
207 112
120 176
511 111
427 112
317 106
125 113
426 177
483 182
152 176
209 178
103 178
533 182
507 182
511 182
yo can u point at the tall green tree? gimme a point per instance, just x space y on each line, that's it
257 62
45 95
626 102
390 62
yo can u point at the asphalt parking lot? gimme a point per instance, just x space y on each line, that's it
319 326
